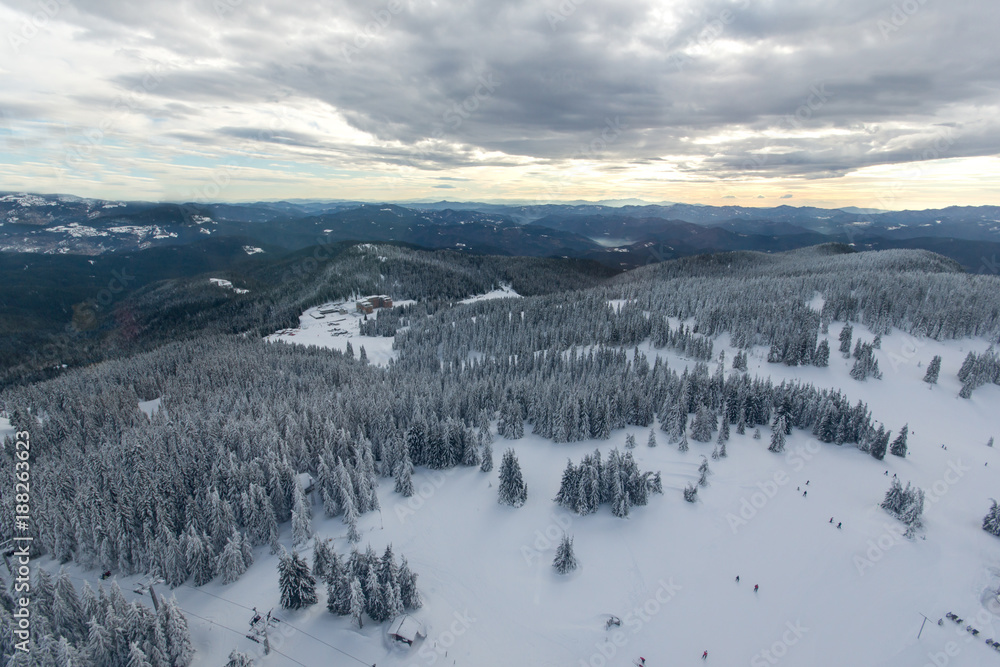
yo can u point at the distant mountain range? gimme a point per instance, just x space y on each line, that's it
619 233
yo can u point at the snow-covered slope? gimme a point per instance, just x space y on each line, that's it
334 330
828 596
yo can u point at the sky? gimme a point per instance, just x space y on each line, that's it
865 103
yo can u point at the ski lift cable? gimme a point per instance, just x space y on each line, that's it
241 634
313 637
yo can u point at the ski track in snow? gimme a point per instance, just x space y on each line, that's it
827 597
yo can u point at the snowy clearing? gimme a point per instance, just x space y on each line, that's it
503 292
334 330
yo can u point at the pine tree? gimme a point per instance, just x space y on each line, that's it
297 584
991 522
933 370
487 464
565 560
404 477
322 560
683 445
302 530
338 593
630 441
898 447
880 443
704 423
723 434
356 601
822 356
136 657
703 472
239 659
651 440
845 340
231 564
175 630
513 491
778 436
408 593
363 356
691 493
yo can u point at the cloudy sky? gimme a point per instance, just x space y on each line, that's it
891 104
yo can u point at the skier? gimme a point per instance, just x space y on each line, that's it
831 519
807 482
737 578
755 587
704 656
804 493
838 524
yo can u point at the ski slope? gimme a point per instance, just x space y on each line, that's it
828 596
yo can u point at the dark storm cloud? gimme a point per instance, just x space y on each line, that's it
727 88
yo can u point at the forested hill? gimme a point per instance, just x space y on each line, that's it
68 310
188 490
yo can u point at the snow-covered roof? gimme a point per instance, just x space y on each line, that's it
305 480
406 627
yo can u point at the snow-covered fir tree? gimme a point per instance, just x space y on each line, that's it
302 530
239 659
691 493
512 491
991 522
565 560
845 340
778 435
898 446
295 581
933 370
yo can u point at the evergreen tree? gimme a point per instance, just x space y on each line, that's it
404 477
513 491
898 447
297 584
136 657
778 436
822 356
175 631
487 463
565 560
933 370
683 445
630 441
323 556
991 522
338 593
356 601
880 443
239 659
302 530
845 340
691 493
408 593
704 423
651 440
231 564
723 435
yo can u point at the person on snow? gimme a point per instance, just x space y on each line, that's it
838 524
704 656
737 578
755 587
831 519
